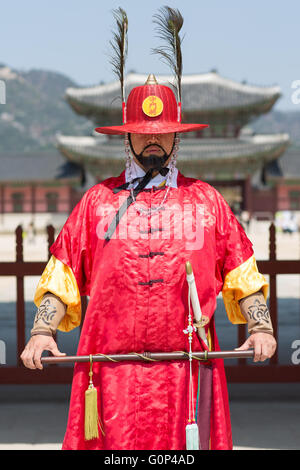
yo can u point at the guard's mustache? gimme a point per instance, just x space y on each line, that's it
153 145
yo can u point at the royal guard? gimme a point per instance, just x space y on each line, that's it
152 249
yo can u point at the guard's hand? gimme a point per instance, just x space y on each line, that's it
31 356
264 346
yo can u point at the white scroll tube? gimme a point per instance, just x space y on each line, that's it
195 300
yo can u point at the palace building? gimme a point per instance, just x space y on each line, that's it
257 173
227 154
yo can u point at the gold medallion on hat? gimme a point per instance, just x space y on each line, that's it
152 106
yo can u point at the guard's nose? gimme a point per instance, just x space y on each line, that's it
153 138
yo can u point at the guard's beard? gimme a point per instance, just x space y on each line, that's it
153 162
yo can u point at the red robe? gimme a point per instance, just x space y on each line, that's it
145 405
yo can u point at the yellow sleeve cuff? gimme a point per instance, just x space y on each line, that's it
59 279
239 283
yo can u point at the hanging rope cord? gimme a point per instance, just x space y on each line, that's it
191 388
150 359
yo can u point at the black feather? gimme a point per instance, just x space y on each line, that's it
119 45
169 23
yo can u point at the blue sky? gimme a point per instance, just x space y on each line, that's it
256 41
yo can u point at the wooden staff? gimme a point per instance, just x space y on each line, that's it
195 301
151 357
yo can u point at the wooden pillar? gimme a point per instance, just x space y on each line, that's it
33 202
273 289
72 199
20 304
2 199
276 202
50 240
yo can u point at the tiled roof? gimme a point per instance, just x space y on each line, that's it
191 149
248 152
37 167
290 163
200 92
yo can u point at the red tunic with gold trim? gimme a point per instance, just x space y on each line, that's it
139 302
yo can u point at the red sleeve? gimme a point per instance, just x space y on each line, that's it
72 246
233 245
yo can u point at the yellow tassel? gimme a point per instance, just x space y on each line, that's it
91 417
91 414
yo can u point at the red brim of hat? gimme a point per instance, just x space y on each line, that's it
150 128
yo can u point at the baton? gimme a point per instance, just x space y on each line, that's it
151 356
195 300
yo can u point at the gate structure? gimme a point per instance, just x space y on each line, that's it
242 372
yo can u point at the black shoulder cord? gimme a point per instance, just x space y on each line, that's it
142 184
123 208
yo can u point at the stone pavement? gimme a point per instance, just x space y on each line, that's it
264 417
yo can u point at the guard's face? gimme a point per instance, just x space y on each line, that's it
152 144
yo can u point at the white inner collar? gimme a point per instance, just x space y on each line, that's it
138 172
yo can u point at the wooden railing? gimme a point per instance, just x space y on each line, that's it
242 372
19 269
274 372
